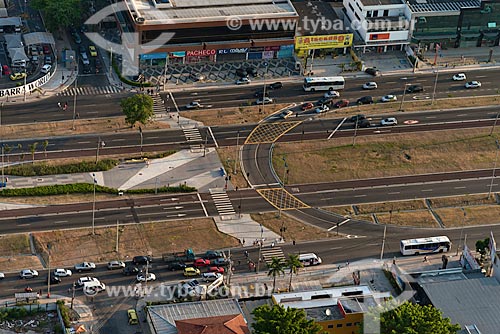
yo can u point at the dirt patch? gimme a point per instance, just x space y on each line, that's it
227 157
14 244
341 210
420 218
73 246
475 215
386 156
38 322
19 262
293 229
240 115
391 206
82 126
62 199
459 201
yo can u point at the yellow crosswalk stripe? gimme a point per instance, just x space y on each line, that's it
282 199
269 132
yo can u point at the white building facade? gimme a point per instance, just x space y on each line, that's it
382 25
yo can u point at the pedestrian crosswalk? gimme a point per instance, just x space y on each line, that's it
269 252
90 90
222 202
158 104
193 135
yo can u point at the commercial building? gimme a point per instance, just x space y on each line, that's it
213 30
337 310
381 25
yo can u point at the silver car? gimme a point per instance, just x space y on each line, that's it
28 273
370 85
115 265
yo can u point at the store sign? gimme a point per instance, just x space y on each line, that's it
231 51
271 48
200 53
323 41
378 37
30 87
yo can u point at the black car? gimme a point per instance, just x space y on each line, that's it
177 265
414 89
98 64
86 69
357 118
212 254
252 71
141 259
48 60
260 94
82 49
324 100
241 72
276 85
130 270
365 100
54 279
372 71
364 124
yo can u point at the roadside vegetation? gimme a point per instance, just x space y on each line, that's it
40 169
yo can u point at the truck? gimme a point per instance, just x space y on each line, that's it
186 256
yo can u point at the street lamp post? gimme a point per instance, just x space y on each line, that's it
260 248
461 232
140 133
74 101
403 99
93 205
49 246
99 144
435 85
285 167
494 124
497 143
264 92
237 151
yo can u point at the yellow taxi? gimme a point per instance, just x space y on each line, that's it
191 271
17 76
93 51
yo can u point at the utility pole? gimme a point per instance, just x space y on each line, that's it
230 269
497 143
260 248
355 130
25 75
435 85
494 124
73 295
74 100
237 153
99 144
49 246
403 99
117 235
140 133
93 206
383 244
461 232
285 167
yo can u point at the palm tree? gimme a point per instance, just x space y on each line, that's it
6 149
44 145
32 148
294 264
276 268
20 147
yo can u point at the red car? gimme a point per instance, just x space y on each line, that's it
219 270
46 49
341 104
5 70
201 263
307 105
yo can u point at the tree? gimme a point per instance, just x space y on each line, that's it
44 145
32 148
137 108
278 320
294 264
59 14
20 147
482 247
409 318
7 149
276 268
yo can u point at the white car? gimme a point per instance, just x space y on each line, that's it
265 100
60 272
332 94
321 109
389 98
28 273
286 114
389 121
86 279
210 277
116 265
472 84
193 105
243 81
46 68
370 85
2 275
84 266
459 77
142 277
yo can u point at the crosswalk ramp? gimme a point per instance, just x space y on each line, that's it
90 90
193 136
158 104
268 253
222 202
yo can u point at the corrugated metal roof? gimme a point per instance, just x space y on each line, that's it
427 6
468 302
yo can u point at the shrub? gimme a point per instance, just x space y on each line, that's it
40 169
127 81
64 313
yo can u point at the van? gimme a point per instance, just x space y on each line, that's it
309 259
132 317
19 63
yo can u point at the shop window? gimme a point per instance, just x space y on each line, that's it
330 326
339 325
349 324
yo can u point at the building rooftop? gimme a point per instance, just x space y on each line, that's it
430 6
468 302
165 317
226 324
381 2
187 11
316 10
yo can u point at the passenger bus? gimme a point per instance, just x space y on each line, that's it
425 245
309 259
323 83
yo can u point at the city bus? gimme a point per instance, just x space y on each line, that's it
323 83
425 245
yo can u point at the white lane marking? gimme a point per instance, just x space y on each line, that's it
360 196
202 205
426 190
213 137
173 100
459 187
60 222
394 193
83 142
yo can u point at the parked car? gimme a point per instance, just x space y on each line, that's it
130 270
190 271
17 76
197 77
220 262
389 121
193 105
370 85
60 272
46 68
321 109
47 60
143 278
473 84
341 104
459 77
84 266
86 279
92 51
46 49
264 100
201 263
251 71
98 64
5 70
285 114
276 85
306 106
115 265
177 265
324 100
84 58
219 270
365 100
141 259
357 118
414 89
86 69
332 94
210 277
243 81
389 98
28 273
241 72
81 49
372 71
76 37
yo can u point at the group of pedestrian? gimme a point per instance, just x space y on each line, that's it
63 107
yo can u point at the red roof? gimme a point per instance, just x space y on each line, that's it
227 324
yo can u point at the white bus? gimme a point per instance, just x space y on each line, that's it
309 259
425 245
323 83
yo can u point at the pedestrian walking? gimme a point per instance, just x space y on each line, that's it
246 254
243 242
425 259
293 242
59 105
